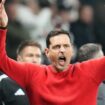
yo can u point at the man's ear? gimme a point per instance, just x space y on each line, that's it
74 52
19 58
47 52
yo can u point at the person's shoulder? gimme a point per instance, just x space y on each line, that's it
3 76
8 83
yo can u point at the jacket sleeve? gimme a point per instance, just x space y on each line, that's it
95 69
17 71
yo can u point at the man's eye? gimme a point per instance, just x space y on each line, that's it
56 47
66 46
30 55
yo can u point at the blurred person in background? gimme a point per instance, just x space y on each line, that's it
63 14
93 51
29 51
16 32
68 10
38 19
100 22
89 51
88 2
82 29
10 92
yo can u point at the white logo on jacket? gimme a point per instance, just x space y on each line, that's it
19 92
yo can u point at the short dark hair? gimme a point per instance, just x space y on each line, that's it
26 43
88 51
56 32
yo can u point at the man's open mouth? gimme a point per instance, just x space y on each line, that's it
62 60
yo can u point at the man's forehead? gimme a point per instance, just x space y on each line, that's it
59 38
31 47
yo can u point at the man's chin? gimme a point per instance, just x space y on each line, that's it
60 68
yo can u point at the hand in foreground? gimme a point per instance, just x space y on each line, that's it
3 15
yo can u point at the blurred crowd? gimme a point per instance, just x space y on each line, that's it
33 19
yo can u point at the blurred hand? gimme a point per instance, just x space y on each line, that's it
3 15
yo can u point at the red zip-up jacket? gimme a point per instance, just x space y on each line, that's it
76 86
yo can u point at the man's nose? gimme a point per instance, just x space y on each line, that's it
34 60
62 49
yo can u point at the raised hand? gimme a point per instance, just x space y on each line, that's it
3 15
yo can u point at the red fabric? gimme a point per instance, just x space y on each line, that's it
76 86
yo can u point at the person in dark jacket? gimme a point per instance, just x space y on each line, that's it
10 92
83 28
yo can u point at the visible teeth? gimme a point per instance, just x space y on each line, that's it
62 58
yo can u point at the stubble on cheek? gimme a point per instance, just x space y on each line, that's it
54 57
